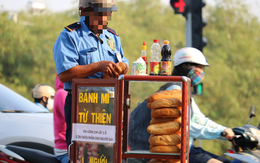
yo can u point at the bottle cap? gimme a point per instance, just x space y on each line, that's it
156 40
166 42
144 46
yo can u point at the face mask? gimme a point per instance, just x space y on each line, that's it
50 103
196 75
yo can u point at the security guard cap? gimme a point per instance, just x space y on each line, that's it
99 5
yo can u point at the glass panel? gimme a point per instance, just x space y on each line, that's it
95 107
140 117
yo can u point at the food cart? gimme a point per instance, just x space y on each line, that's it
100 118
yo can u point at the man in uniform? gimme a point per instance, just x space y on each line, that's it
88 49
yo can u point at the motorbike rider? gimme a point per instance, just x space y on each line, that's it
43 95
188 62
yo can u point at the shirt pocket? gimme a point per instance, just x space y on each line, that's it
89 55
111 56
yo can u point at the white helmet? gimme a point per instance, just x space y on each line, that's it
99 5
41 90
189 54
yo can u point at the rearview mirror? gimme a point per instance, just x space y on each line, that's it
252 112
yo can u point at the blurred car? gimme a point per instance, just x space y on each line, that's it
23 123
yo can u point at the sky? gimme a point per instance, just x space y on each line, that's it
61 5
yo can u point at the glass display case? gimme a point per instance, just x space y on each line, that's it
110 119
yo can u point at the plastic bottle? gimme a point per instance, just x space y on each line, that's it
144 56
155 58
166 66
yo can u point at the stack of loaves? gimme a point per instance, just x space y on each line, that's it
165 121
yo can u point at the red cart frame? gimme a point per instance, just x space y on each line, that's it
121 107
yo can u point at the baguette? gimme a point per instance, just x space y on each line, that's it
164 128
164 119
149 105
172 139
178 132
166 102
174 93
165 149
164 161
165 112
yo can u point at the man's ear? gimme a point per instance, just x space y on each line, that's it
44 99
81 11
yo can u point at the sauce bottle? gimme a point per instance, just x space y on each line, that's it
144 56
166 66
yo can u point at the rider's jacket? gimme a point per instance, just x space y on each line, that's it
201 127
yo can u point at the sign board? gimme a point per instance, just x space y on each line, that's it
93 120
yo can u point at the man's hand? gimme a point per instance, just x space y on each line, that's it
230 133
109 68
123 70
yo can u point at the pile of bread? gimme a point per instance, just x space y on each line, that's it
165 123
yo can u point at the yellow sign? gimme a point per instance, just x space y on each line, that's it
93 98
103 118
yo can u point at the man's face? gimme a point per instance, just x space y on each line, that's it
98 20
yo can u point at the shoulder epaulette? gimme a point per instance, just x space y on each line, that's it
112 31
73 26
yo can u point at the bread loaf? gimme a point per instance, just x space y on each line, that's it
178 132
174 93
149 105
165 112
166 102
164 128
164 161
165 149
164 119
172 139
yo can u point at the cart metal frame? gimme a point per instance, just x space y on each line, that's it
121 108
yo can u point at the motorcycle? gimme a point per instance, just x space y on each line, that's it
246 143
17 154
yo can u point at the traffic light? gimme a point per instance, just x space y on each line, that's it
195 22
198 41
180 6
